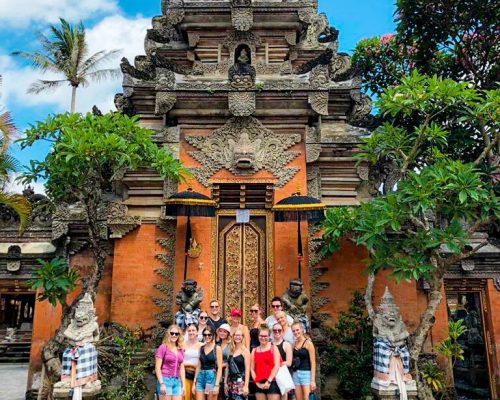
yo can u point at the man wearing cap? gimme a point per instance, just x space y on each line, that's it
235 322
215 320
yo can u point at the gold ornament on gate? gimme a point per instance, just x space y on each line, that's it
194 249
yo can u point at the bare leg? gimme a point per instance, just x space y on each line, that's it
200 396
284 397
260 396
306 389
273 397
298 392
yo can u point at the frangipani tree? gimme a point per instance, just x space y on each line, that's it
425 221
88 153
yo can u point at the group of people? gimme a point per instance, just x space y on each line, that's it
219 359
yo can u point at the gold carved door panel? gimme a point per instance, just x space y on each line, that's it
242 273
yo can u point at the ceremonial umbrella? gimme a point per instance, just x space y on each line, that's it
190 204
297 208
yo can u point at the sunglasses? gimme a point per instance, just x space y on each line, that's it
174 333
207 335
214 306
277 330
264 336
275 305
202 317
252 311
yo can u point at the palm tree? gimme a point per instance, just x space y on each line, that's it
8 164
66 53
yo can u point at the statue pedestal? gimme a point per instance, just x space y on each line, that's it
89 391
391 392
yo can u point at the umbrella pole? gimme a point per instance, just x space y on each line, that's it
186 246
299 245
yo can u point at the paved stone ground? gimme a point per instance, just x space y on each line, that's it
13 381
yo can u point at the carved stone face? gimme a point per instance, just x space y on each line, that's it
243 58
295 288
390 318
189 287
244 152
241 81
82 317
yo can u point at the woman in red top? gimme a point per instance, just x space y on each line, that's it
264 364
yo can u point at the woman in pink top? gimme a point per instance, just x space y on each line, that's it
169 365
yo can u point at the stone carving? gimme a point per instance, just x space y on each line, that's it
284 68
119 223
188 300
13 259
361 108
201 68
10 335
313 145
234 39
173 10
242 18
319 77
316 25
165 79
340 64
241 104
124 105
241 3
391 357
79 366
164 102
166 273
319 102
221 150
329 35
295 302
242 74
195 248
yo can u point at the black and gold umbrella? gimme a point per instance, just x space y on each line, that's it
299 208
190 204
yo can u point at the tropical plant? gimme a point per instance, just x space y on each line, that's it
455 39
55 279
8 164
66 53
88 153
432 201
350 351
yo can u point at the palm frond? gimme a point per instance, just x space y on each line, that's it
7 130
39 61
8 164
102 74
95 60
21 207
45 86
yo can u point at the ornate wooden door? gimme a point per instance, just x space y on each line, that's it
242 273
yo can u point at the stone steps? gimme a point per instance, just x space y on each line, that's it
17 351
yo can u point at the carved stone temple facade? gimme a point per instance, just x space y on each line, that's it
257 102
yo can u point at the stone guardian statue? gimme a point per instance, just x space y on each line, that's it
295 302
391 357
79 363
188 300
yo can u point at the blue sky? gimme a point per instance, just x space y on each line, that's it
121 24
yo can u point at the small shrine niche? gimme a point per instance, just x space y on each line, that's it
13 259
242 73
243 54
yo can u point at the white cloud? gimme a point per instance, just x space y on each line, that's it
14 186
113 32
23 12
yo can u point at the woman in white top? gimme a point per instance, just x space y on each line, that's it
191 358
287 334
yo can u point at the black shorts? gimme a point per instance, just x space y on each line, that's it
273 389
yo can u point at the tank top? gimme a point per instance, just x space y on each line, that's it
303 355
208 361
239 360
192 356
225 354
264 364
281 349
254 338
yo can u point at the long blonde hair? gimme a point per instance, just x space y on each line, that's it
232 344
180 341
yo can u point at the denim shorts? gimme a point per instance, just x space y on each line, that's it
205 377
302 378
172 384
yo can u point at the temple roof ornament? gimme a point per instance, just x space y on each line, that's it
244 146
